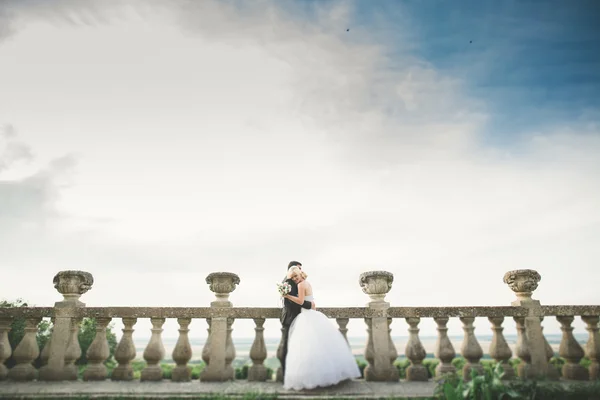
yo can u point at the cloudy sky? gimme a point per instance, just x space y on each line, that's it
151 143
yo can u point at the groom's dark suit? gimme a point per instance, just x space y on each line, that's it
289 312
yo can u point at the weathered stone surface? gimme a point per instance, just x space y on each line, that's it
182 353
5 349
211 312
222 284
72 284
216 370
522 350
444 350
358 389
27 312
258 353
342 326
97 353
471 349
552 371
571 351
25 354
154 352
440 312
125 352
415 352
395 375
499 349
72 352
566 311
592 347
522 281
274 313
376 284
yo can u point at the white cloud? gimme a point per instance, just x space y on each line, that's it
244 140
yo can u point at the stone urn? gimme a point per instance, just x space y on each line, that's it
222 284
376 284
72 284
523 282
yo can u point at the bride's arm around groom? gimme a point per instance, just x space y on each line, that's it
289 312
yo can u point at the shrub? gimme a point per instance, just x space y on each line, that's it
361 366
167 370
490 386
401 366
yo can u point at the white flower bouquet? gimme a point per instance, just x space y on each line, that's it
284 288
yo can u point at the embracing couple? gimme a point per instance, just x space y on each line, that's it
314 351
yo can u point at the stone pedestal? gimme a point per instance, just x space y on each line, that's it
377 284
219 351
523 282
71 284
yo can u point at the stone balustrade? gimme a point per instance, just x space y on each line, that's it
62 350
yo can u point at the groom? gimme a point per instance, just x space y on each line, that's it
289 312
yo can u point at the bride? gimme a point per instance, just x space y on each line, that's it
318 354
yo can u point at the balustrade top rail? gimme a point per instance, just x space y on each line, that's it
274 312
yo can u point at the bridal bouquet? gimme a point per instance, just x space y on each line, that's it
284 288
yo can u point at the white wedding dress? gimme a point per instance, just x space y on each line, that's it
318 354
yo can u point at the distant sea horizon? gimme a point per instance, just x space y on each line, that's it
357 344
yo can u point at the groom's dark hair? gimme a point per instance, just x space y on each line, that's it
293 264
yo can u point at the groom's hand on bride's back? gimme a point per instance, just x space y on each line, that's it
314 306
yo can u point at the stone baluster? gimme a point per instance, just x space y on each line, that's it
571 351
592 347
125 352
71 284
343 327
415 352
444 351
45 354
98 353
279 374
470 349
393 352
72 352
258 353
229 351
523 283
182 353
221 346
5 349
377 284
369 348
522 350
154 352
552 371
499 349
26 353
206 348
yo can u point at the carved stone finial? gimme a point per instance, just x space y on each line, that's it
72 284
376 284
222 283
523 282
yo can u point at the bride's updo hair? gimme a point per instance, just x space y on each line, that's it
296 270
